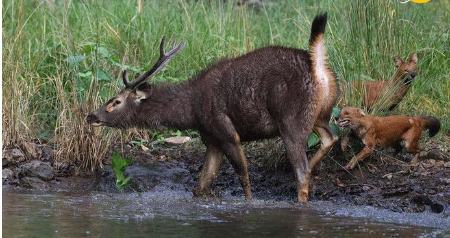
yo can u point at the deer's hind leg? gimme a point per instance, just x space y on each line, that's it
294 137
230 143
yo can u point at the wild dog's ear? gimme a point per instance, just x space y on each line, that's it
398 61
361 112
143 92
413 58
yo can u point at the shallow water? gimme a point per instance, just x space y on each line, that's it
165 214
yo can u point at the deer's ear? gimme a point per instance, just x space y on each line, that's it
413 58
143 92
398 61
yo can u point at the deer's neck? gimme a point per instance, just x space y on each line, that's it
169 106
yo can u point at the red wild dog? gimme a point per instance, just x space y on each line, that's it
269 92
387 94
389 131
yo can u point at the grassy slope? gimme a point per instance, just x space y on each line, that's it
61 59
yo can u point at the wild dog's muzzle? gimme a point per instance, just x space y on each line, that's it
344 122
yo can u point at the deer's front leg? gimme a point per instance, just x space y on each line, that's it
210 170
366 151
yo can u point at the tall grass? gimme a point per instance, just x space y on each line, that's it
61 59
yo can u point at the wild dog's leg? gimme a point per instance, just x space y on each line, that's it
366 151
210 170
411 139
344 142
327 141
295 141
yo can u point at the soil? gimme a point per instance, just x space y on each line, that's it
386 180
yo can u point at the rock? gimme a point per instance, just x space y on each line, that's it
32 150
36 168
177 140
447 164
12 156
437 207
63 168
429 163
7 175
435 154
47 154
34 183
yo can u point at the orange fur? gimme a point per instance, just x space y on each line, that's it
396 89
385 132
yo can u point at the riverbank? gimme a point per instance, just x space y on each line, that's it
386 184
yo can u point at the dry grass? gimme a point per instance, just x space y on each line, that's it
47 90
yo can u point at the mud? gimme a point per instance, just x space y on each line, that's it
385 187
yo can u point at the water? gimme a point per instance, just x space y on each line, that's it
163 214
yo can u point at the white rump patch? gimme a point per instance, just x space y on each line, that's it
320 66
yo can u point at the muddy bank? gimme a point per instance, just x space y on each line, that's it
387 181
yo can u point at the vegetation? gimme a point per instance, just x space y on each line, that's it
61 59
119 165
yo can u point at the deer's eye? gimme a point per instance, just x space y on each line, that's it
117 102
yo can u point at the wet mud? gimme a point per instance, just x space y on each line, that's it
385 187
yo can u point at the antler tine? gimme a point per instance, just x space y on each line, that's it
163 59
161 47
125 78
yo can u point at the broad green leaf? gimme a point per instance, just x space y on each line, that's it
86 74
102 75
335 112
119 165
103 52
75 59
313 140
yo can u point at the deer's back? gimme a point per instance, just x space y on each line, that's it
256 90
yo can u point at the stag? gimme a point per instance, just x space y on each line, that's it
271 91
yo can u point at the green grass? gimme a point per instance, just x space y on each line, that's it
62 58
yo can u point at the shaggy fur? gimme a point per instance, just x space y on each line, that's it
269 92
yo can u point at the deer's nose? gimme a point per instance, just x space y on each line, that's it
91 118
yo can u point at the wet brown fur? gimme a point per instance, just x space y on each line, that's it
389 131
269 92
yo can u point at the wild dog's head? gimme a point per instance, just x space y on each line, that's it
406 70
347 116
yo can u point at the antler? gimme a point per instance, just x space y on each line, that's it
164 58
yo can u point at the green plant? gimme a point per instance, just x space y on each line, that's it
314 139
62 58
119 164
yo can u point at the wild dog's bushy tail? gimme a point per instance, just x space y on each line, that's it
432 124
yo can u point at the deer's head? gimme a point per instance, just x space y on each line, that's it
120 111
406 70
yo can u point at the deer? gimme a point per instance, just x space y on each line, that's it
273 91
